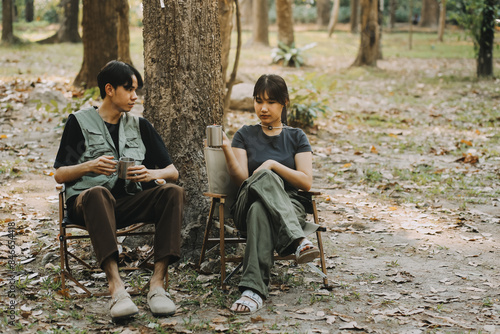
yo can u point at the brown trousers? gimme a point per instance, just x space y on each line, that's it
102 214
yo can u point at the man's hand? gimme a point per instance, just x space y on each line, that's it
103 165
140 174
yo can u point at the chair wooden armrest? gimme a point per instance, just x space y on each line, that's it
214 195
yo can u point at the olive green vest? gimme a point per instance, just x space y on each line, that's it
98 142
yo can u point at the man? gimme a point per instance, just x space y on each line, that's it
92 142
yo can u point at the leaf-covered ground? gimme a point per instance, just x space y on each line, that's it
407 161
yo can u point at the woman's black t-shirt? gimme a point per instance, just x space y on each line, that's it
261 147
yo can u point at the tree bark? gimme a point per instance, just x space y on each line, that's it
323 13
392 8
8 22
184 94
354 16
284 18
334 17
123 34
368 48
486 39
68 30
260 22
226 27
100 43
442 20
430 13
29 11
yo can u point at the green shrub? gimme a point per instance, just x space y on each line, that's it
289 55
308 98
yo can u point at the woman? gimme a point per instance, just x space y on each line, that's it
270 162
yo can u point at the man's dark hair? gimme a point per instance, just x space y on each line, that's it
117 73
276 89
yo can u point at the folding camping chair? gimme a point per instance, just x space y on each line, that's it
222 194
66 254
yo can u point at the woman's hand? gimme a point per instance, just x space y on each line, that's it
225 141
268 164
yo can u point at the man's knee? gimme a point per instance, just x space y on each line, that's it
172 191
98 192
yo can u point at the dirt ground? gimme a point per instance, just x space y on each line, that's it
407 162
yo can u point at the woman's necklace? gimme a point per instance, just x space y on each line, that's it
270 127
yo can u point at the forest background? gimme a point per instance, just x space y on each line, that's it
406 156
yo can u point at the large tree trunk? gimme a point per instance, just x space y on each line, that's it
226 27
334 17
29 10
392 13
430 13
68 30
123 34
368 48
442 20
184 94
7 22
354 16
486 38
100 43
323 13
260 22
284 18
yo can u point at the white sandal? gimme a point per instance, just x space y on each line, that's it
252 307
307 255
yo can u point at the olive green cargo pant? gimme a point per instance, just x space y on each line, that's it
272 219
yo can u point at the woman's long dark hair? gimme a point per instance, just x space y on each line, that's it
276 90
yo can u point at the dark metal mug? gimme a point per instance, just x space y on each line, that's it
123 165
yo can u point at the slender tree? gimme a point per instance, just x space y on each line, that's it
334 17
368 47
100 44
7 22
354 16
68 29
232 77
410 23
442 19
184 93
246 11
29 10
486 39
430 13
380 24
260 22
393 5
123 33
284 18
226 8
323 13
105 37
